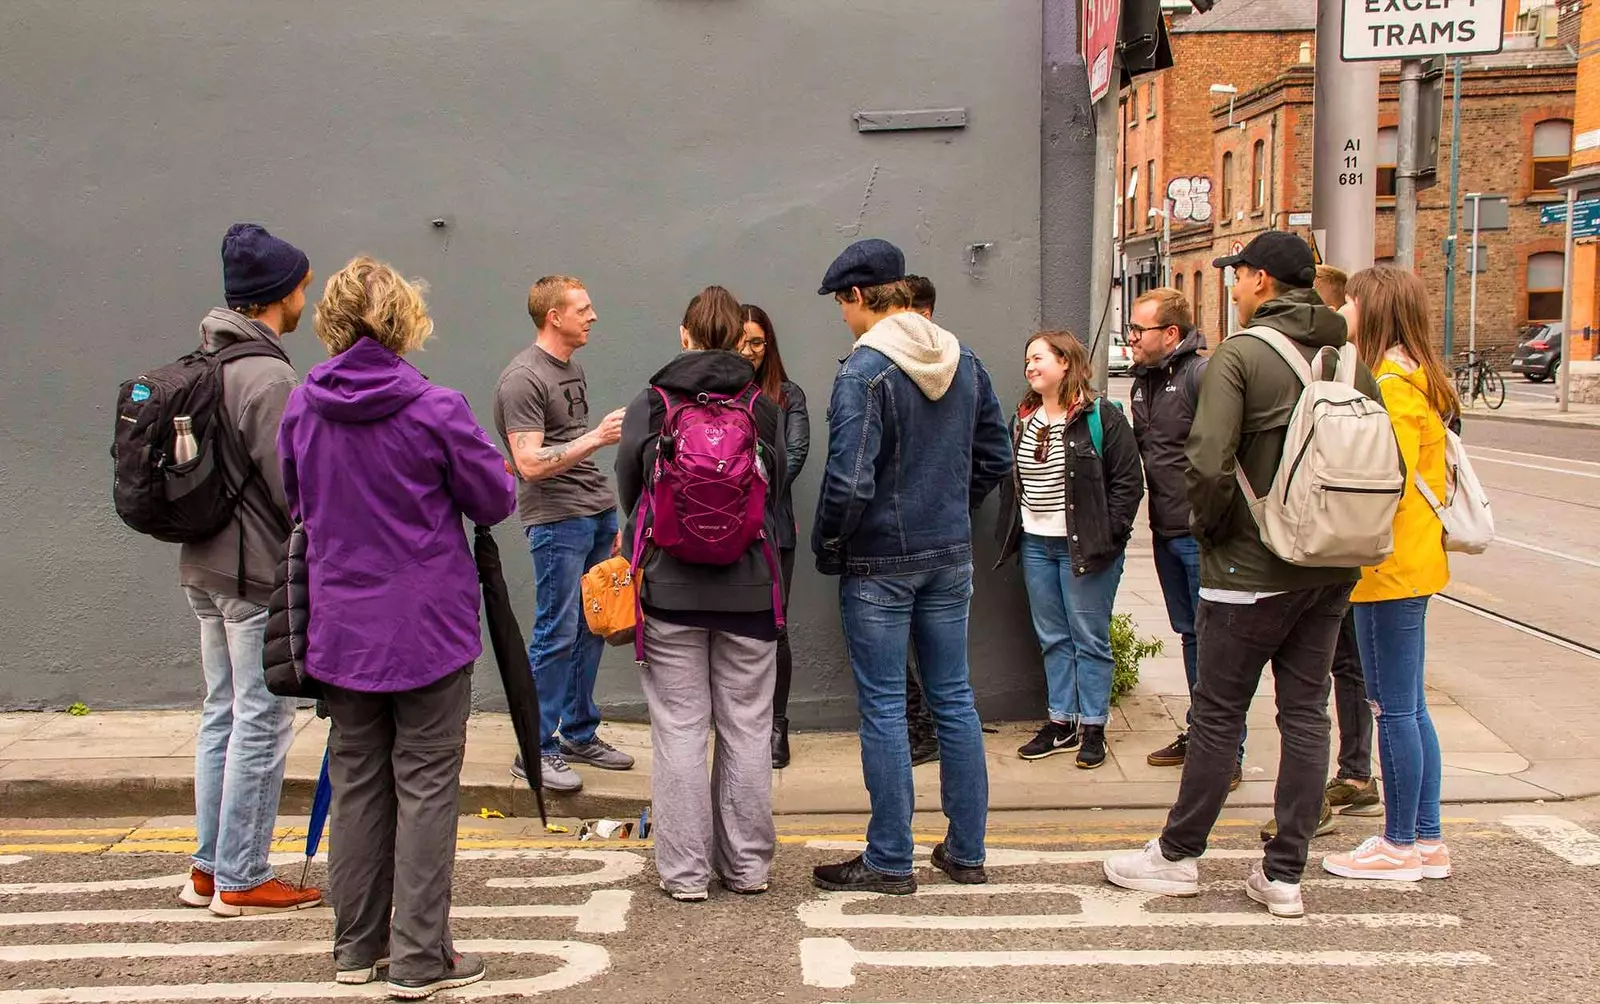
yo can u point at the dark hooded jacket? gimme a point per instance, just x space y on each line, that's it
1162 409
1241 420
736 598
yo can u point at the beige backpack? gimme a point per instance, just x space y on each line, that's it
1333 500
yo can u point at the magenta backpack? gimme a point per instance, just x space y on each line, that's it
705 497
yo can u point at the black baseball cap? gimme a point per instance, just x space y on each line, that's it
871 262
1280 254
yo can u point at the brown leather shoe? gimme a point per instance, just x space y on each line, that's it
199 891
272 896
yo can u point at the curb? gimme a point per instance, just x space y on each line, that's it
1549 423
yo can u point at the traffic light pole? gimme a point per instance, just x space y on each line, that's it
1102 261
1405 178
1452 241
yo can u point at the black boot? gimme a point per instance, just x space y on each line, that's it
1093 751
780 742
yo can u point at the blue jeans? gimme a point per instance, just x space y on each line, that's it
1391 635
564 653
244 740
1072 617
881 614
1178 570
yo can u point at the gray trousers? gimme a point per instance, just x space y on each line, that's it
721 823
396 771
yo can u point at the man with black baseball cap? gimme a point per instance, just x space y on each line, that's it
912 422
1255 608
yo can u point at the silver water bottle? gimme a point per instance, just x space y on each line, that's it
184 446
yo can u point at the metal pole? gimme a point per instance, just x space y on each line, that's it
1405 179
1106 138
1474 265
1166 244
1563 397
1453 241
1344 181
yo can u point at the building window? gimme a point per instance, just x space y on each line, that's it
1130 108
1552 153
1227 188
1546 276
1150 102
1258 176
1199 297
1150 186
1177 281
1132 222
1388 159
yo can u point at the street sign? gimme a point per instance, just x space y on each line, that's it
1417 29
1494 211
1100 21
1299 219
1585 217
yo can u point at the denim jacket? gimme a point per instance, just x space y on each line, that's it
904 469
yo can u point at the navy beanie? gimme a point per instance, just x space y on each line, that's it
258 268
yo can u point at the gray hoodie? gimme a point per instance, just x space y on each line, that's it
254 391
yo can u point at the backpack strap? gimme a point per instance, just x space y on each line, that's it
1097 429
1286 348
1417 479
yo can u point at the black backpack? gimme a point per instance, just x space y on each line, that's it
194 501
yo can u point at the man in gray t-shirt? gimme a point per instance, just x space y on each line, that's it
541 409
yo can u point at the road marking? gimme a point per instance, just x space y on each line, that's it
1545 550
1563 838
1098 906
832 962
1016 857
1476 449
88 832
581 962
1539 467
615 866
9 849
13 859
604 912
1516 625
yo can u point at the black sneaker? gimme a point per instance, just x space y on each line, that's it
1237 778
966 875
1171 755
464 970
855 876
1092 753
1053 738
924 749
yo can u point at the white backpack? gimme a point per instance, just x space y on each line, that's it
1468 521
1333 499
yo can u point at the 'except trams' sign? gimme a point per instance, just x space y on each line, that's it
1417 29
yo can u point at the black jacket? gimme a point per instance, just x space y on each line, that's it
1164 397
797 444
670 584
1103 493
283 654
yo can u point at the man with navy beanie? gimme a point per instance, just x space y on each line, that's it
245 732
912 420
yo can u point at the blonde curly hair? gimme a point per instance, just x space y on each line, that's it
368 298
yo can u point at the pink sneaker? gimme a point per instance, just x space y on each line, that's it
1435 859
1376 858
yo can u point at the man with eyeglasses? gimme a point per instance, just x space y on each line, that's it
1166 386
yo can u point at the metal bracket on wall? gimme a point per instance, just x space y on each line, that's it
973 251
925 118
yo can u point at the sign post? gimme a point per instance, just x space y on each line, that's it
1101 19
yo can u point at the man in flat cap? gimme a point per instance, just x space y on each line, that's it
915 442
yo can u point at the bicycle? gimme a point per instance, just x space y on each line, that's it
1477 378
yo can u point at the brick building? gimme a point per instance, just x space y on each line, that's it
1253 145
1585 170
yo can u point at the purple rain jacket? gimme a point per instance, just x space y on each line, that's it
381 466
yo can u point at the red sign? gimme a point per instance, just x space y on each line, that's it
1100 21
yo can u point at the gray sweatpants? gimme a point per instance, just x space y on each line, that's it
719 824
396 772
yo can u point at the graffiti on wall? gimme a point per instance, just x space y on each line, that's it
1191 199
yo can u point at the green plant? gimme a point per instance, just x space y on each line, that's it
1127 651
78 709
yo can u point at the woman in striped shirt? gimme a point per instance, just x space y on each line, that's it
1074 496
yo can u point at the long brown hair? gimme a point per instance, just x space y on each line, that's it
1075 382
713 320
1392 309
771 374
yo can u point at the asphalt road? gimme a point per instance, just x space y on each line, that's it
1516 924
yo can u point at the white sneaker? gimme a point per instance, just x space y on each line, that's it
1282 899
1435 859
1376 858
1149 871
686 895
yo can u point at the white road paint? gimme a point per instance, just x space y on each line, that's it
832 962
12 859
604 912
581 963
1098 906
1561 837
1531 632
1564 556
1475 452
1537 467
1011 857
616 866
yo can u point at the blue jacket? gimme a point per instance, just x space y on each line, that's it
916 441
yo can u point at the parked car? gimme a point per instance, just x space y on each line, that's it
1538 353
1121 356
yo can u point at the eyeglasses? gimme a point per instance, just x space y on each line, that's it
1136 331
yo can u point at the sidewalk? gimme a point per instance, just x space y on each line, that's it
1538 412
141 763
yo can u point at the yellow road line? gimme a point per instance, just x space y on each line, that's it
32 834
53 848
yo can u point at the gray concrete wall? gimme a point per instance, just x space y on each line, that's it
649 146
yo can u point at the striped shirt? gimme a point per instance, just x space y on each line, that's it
1044 484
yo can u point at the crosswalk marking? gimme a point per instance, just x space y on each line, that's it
831 962
13 859
615 866
581 962
1098 906
1015 857
1561 837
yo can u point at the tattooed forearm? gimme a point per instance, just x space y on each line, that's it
551 454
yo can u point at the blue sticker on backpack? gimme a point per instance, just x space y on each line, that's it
140 394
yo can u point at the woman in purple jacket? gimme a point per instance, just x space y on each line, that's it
381 466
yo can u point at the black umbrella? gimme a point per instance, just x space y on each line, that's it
511 652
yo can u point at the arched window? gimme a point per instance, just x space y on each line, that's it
1546 279
1552 153
1258 176
1227 188
1388 159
